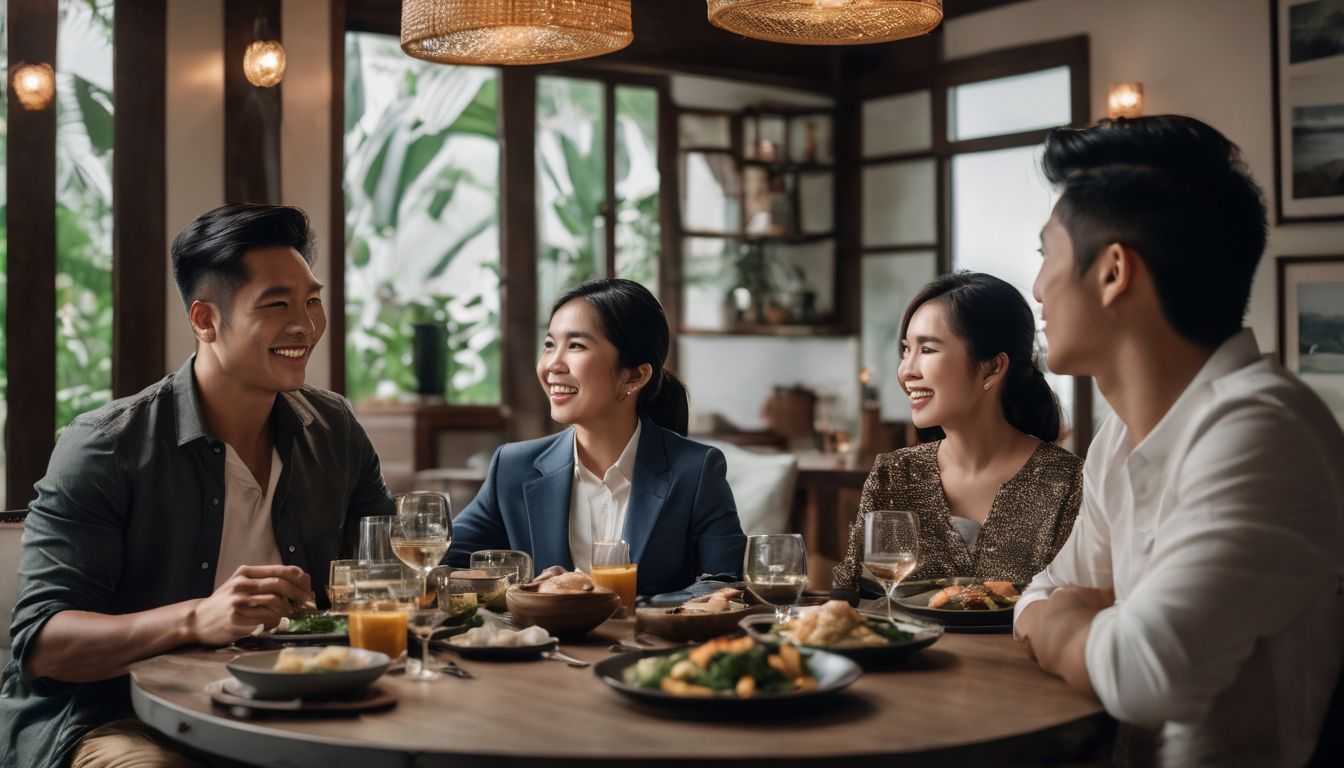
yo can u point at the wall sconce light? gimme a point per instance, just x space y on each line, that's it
34 85
264 63
1124 100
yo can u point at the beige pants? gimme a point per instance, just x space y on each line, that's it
127 744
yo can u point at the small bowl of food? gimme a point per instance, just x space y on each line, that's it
308 673
566 604
699 618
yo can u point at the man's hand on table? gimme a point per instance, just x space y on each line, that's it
1055 631
254 594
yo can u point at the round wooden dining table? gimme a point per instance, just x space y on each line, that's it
966 700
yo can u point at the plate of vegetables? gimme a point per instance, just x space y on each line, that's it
313 628
730 676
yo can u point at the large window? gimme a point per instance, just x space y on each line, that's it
84 117
968 196
597 185
422 219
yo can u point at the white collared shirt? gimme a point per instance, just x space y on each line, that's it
1222 534
247 538
597 504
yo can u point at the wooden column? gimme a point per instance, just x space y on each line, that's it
139 181
251 114
518 267
30 325
336 232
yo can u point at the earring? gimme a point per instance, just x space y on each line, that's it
986 386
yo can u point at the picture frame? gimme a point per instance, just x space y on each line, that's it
1311 324
1307 40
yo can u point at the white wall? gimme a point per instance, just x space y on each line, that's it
305 142
194 134
195 139
1206 58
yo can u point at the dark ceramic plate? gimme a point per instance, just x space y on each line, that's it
256 670
866 655
508 653
833 672
914 597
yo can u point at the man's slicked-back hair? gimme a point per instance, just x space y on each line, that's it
208 254
1177 192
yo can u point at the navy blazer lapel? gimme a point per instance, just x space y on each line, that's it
648 489
547 500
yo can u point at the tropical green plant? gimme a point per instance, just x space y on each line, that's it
84 123
421 192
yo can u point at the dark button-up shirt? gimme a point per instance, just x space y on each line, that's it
129 518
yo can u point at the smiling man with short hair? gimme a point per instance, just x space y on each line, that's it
192 512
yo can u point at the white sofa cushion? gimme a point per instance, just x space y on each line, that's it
762 486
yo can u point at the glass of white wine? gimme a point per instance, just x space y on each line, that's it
775 570
422 533
890 549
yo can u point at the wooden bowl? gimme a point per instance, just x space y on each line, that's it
566 614
690 627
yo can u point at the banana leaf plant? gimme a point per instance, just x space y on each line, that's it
421 201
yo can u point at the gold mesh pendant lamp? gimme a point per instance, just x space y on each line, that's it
513 31
827 22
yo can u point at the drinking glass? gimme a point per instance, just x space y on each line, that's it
378 614
341 582
422 532
612 569
375 538
775 570
423 620
521 562
890 549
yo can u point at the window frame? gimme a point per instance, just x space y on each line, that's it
1071 52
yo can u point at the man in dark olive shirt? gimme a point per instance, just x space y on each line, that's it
192 512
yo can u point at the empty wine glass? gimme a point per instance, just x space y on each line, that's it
422 621
890 549
423 532
775 570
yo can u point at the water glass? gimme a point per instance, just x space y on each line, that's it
341 582
520 561
375 538
775 570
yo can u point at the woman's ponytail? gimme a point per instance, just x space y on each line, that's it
667 403
1028 402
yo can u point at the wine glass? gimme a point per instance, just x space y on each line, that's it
890 549
775 569
423 619
422 533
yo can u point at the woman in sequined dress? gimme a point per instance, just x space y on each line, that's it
994 497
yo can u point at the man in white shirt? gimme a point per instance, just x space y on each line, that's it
1201 593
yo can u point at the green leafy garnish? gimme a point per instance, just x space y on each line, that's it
316 624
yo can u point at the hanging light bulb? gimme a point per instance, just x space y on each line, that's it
264 63
1124 100
34 85
513 31
827 22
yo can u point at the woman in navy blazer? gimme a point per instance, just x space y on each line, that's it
602 370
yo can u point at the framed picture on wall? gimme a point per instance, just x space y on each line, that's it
1308 68
1311 324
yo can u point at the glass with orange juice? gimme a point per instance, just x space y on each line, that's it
378 615
612 569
